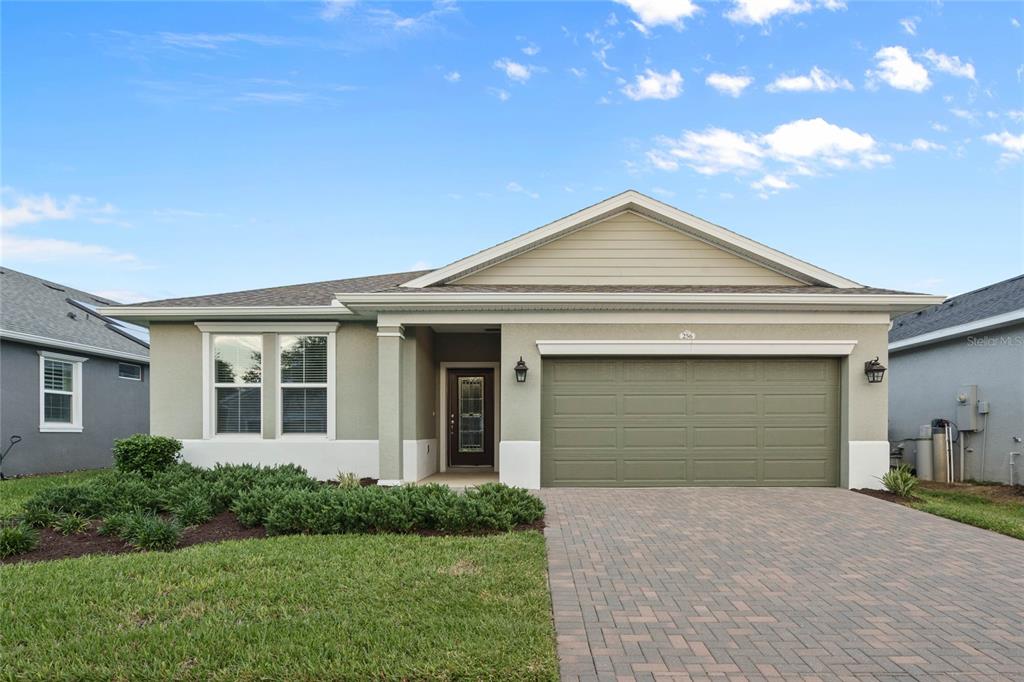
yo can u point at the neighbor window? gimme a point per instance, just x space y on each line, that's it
127 370
238 383
60 392
303 383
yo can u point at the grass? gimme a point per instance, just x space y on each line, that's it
296 607
14 491
972 505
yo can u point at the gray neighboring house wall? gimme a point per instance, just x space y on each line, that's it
42 320
973 339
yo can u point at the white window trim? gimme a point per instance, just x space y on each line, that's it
210 389
330 385
697 347
75 426
133 364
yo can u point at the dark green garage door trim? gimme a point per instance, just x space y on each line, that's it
693 421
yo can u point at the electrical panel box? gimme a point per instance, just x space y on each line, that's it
967 408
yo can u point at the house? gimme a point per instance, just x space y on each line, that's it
71 379
963 361
628 344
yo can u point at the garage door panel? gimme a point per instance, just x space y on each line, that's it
654 471
725 470
634 437
725 437
689 421
653 404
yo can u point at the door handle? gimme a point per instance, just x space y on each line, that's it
451 423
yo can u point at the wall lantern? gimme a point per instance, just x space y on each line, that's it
874 371
521 370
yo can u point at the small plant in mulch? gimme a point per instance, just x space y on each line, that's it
70 524
900 481
17 538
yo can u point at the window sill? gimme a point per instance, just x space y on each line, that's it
54 428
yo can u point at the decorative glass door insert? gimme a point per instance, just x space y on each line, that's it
471 414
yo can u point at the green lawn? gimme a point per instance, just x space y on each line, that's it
296 607
975 506
14 491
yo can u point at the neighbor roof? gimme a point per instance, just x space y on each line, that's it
40 311
996 299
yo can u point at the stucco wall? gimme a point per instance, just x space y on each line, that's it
924 382
176 394
357 381
111 408
419 387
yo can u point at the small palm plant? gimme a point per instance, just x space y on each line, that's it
900 481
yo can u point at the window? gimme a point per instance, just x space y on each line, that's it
60 392
238 383
126 370
304 387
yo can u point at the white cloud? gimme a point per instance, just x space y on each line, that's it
964 114
661 191
661 12
896 67
332 9
909 25
802 147
579 73
762 11
919 145
949 64
1015 22
729 85
531 50
42 207
516 188
715 151
1013 145
215 41
771 184
44 250
653 85
601 47
500 93
453 76
1016 115
940 127
124 295
515 71
817 80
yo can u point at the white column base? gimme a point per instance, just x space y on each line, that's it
419 459
520 463
869 460
322 459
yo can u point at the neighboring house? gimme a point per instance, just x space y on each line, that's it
658 349
937 354
71 379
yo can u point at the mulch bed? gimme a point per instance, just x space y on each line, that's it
52 545
884 495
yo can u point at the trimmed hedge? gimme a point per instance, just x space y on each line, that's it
145 454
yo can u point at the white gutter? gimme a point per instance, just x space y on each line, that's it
71 345
983 324
146 313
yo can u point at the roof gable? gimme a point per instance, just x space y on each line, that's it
769 260
627 249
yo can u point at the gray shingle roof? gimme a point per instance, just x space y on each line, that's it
995 299
314 293
29 305
638 288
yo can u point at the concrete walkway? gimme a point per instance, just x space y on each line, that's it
772 583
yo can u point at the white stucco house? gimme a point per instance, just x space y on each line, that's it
627 344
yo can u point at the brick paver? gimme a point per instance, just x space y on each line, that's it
777 583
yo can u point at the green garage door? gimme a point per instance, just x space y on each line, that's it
694 421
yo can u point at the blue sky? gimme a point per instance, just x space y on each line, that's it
166 149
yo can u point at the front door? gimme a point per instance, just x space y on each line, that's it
471 417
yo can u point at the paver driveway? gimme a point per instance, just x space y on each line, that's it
756 583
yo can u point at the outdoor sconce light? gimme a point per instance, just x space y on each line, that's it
521 370
874 371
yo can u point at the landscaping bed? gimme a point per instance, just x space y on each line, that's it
152 502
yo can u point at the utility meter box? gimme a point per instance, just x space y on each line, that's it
967 408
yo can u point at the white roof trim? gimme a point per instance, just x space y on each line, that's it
636 201
71 345
959 330
703 347
145 313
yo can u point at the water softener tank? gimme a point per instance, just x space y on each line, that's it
924 458
939 464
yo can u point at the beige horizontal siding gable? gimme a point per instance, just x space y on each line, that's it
627 249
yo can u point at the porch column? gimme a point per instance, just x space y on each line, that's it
389 406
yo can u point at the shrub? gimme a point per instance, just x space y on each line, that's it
70 524
45 505
348 480
146 454
521 505
899 481
152 533
251 506
193 510
120 524
17 539
122 491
